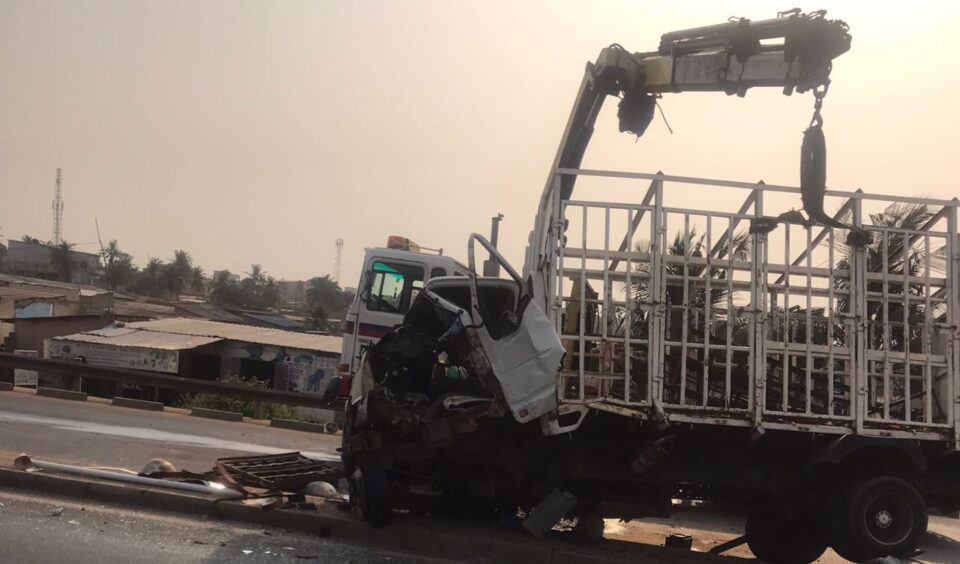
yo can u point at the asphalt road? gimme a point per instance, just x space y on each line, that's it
96 434
43 529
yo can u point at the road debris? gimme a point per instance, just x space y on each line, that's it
290 471
56 511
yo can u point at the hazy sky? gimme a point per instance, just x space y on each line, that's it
255 131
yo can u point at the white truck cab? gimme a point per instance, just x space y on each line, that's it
391 278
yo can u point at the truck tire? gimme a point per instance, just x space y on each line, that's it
784 538
370 494
883 516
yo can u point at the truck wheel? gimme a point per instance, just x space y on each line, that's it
784 538
370 494
883 516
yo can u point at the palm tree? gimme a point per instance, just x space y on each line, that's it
60 260
317 318
118 266
323 291
738 245
178 272
196 281
256 274
150 282
897 216
269 294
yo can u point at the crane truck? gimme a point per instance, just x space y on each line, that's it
698 339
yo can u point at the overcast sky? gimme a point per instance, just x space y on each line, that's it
255 131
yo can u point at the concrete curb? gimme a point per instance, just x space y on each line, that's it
61 394
298 425
137 404
420 536
216 414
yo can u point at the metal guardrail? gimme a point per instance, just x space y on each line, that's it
94 372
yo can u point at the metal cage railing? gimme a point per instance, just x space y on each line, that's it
685 309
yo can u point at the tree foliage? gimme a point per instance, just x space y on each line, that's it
256 291
119 271
61 261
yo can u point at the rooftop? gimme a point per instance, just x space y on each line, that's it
85 289
208 311
133 338
244 333
18 293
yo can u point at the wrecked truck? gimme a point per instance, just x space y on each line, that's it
701 342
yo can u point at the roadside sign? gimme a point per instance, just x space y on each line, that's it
23 377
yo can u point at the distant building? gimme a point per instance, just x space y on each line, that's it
197 348
17 302
36 260
83 298
293 294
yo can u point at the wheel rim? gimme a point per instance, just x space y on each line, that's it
888 519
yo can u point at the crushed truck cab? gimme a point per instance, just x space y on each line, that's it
468 347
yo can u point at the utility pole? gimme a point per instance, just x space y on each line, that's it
336 261
490 266
57 213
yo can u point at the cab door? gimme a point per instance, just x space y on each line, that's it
387 289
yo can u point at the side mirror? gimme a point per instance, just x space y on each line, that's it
364 293
332 390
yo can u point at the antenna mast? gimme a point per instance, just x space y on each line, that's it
336 261
57 213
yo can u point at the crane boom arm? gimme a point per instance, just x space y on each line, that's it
793 52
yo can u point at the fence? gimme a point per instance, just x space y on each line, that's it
672 301
163 381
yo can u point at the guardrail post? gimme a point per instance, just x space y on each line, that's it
76 372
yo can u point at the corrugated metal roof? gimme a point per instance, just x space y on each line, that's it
208 311
144 309
86 289
275 320
133 338
244 333
18 293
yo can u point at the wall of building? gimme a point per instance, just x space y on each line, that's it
34 307
30 333
35 259
96 302
295 370
292 293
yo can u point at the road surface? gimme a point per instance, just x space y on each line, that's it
95 434
43 529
